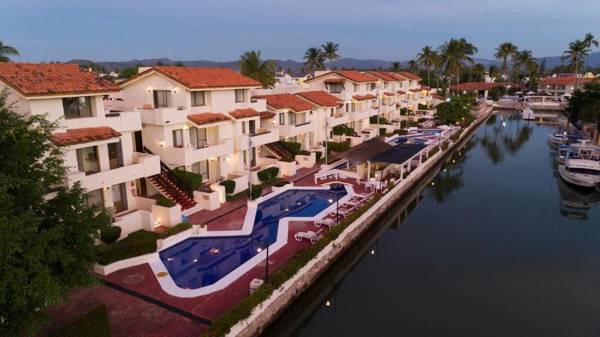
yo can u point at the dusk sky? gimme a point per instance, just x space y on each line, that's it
60 30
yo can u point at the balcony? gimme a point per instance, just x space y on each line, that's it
179 156
124 121
163 116
143 165
286 131
263 136
338 118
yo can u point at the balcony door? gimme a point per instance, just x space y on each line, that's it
119 192
252 127
162 98
87 160
198 138
138 142
115 155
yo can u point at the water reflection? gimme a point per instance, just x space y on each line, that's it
450 177
575 203
507 136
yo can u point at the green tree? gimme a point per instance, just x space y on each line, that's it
454 54
479 72
5 51
252 66
330 51
584 106
576 55
504 53
396 66
314 59
47 230
457 110
427 58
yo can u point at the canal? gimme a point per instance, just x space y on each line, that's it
491 244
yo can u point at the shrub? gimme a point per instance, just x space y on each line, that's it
304 153
135 244
293 147
401 132
318 155
165 202
229 186
338 146
281 183
343 130
404 111
268 175
382 131
444 145
194 180
110 234
174 230
382 120
93 323
422 107
433 151
256 192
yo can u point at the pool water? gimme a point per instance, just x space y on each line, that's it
199 262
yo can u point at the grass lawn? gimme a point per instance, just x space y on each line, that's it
92 324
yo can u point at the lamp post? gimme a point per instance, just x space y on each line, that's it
326 137
259 250
248 163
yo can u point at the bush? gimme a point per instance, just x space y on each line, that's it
165 202
318 155
110 234
174 230
404 111
382 120
135 244
433 151
194 180
94 323
229 186
401 132
338 146
281 183
268 175
293 147
343 130
444 145
422 107
256 192
304 153
382 131
238 195
241 311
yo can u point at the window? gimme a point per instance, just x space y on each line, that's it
336 88
347 107
240 95
115 155
252 127
178 138
119 193
353 107
252 153
77 107
162 98
95 198
87 160
198 98
281 118
198 138
201 168
372 86
355 87
292 118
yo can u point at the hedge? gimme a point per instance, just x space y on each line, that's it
229 186
238 195
338 146
194 180
293 147
135 244
267 175
444 145
256 192
401 132
165 202
110 234
93 323
318 155
222 325
174 230
343 130
422 107
433 151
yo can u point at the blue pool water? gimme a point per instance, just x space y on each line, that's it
199 262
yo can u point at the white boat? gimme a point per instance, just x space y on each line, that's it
557 138
528 114
581 172
579 150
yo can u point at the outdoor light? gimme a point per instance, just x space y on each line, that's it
327 303
149 89
433 183
170 259
195 260
503 124
372 251
259 249
330 200
215 250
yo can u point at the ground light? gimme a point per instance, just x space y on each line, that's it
260 247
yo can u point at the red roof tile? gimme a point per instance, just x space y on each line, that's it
383 75
244 113
476 86
200 77
362 98
207 118
266 114
397 76
389 93
400 92
352 75
32 79
409 75
566 80
287 101
334 81
83 135
320 97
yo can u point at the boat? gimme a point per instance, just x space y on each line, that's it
581 172
575 202
557 138
528 114
579 150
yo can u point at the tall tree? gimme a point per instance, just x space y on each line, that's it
576 55
584 106
5 51
47 230
454 54
504 53
396 66
479 72
252 66
330 51
314 59
590 41
427 58
413 66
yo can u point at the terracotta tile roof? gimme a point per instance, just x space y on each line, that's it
334 81
383 75
287 101
244 113
200 77
400 92
362 98
438 96
33 79
320 97
415 90
424 87
207 118
409 75
566 80
397 76
476 86
352 75
267 114
83 135
389 93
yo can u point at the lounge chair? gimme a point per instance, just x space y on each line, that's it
325 222
342 212
309 235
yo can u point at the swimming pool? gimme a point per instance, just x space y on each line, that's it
202 261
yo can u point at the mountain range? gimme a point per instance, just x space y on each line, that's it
295 66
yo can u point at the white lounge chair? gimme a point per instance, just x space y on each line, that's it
309 235
325 222
342 212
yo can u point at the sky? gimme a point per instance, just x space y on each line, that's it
119 30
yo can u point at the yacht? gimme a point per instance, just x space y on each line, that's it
528 114
557 138
579 150
581 172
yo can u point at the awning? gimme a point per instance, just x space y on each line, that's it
399 154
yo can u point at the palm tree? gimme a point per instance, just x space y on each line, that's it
396 66
479 72
252 66
494 72
427 58
520 61
330 50
5 51
454 54
505 51
576 54
590 40
314 59
413 66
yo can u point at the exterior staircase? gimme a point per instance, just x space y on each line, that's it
172 187
279 151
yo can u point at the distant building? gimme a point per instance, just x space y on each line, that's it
563 85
